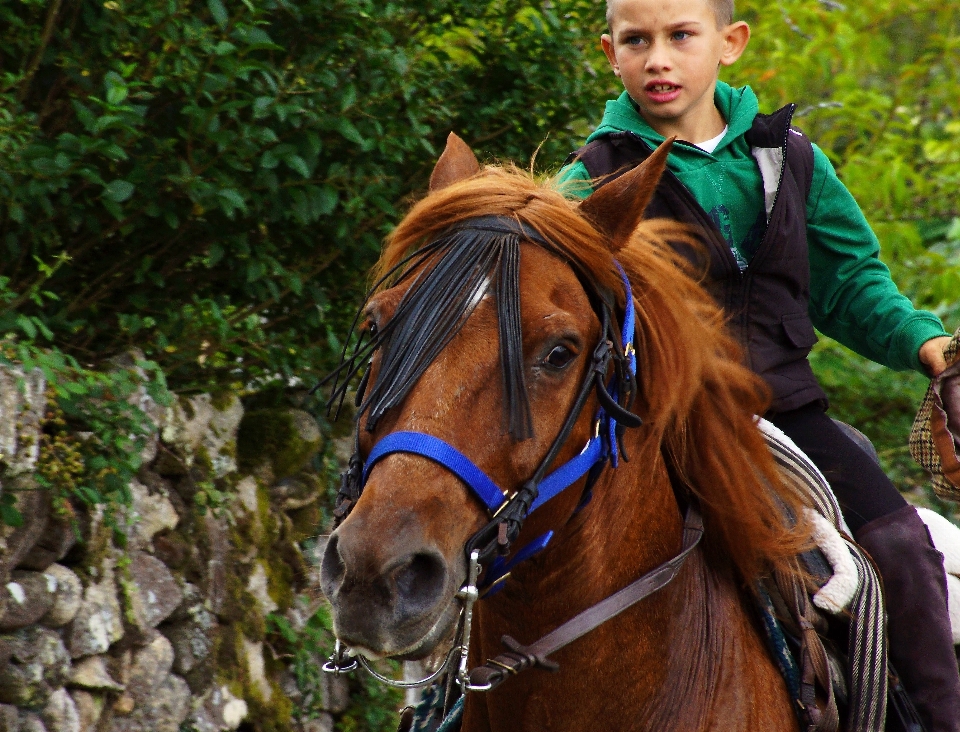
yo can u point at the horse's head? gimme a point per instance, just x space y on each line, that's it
488 356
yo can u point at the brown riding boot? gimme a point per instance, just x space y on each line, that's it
918 624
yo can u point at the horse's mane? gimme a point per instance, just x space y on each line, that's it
696 398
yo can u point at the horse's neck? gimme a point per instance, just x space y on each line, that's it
660 663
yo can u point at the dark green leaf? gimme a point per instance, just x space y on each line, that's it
219 12
118 190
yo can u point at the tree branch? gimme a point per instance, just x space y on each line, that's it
48 28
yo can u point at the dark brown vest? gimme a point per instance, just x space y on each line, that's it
767 302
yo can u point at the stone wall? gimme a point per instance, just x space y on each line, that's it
155 618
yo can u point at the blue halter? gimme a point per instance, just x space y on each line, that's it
603 446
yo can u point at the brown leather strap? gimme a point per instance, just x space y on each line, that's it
814 667
518 658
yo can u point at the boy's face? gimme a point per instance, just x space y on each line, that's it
668 53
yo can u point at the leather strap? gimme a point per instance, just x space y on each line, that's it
518 657
814 668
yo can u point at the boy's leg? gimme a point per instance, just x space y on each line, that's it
920 639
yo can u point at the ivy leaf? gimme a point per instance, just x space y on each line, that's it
298 164
118 190
345 127
27 326
231 196
327 200
219 12
9 515
116 88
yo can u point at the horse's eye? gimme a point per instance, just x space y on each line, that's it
372 329
559 357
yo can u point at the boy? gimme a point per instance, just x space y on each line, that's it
789 249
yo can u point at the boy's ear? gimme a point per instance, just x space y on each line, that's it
456 163
735 39
616 208
606 43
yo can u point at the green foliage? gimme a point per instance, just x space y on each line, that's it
93 433
878 88
372 706
210 181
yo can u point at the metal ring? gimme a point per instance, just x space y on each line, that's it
332 667
408 684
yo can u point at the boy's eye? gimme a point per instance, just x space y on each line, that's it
635 40
680 35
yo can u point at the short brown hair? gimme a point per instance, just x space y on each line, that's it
723 9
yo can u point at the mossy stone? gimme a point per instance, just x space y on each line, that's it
286 439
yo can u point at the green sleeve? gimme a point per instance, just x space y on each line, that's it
852 298
573 181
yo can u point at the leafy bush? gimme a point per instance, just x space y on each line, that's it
209 182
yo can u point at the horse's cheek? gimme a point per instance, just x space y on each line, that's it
536 715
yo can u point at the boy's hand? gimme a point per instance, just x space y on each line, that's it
931 355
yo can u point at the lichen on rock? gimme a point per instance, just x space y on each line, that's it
33 663
280 441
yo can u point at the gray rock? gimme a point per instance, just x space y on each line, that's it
193 601
153 594
192 639
33 662
276 443
34 506
89 709
9 718
32 723
218 540
289 686
297 491
165 710
149 514
28 597
323 723
57 539
257 586
22 405
335 693
150 668
197 422
91 673
220 711
60 714
256 669
221 440
98 622
66 599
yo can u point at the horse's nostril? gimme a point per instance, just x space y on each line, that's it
331 568
419 583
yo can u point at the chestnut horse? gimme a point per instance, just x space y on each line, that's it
689 657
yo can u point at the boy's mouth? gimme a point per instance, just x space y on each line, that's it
661 91
661 87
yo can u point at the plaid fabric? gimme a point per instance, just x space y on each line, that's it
922 446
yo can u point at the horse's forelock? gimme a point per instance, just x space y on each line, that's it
510 192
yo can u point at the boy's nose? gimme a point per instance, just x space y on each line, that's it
658 58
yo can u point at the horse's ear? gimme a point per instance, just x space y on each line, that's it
456 163
617 207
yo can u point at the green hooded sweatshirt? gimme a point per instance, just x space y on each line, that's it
852 298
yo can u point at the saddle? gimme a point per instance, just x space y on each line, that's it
827 636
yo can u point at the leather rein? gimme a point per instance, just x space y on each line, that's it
487 550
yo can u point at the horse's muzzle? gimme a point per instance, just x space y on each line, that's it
388 597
